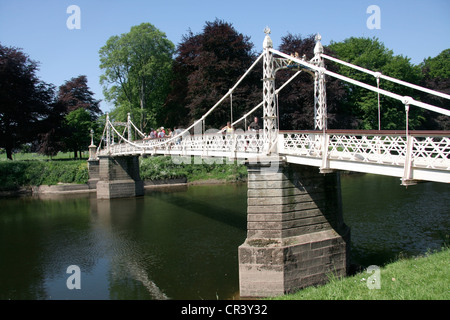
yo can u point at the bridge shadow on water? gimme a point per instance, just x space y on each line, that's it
208 202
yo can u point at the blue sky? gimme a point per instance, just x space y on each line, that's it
416 29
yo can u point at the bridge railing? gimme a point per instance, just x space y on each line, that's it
392 149
208 144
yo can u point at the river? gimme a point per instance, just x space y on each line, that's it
182 242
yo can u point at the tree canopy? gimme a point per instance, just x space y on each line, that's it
73 114
436 76
371 54
206 66
296 101
137 70
24 99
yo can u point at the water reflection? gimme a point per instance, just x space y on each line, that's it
389 220
182 243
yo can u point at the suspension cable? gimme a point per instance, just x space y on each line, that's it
260 104
382 76
215 106
366 86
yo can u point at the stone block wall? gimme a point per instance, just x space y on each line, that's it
119 177
296 235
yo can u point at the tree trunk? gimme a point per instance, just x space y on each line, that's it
9 153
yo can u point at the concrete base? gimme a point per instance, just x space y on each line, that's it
295 232
119 178
93 170
274 268
119 189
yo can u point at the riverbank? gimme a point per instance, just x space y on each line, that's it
423 277
26 177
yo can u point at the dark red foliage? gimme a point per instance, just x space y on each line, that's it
296 100
207 65
24 100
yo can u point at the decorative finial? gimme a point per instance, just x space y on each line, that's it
318 48
267 41
318 37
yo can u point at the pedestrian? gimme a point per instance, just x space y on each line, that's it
228 128
254 126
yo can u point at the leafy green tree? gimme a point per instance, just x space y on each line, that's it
436 76
137 71
371 54
437 67
78 124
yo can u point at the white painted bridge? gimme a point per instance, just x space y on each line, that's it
409 155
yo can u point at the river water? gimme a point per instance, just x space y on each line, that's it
182 242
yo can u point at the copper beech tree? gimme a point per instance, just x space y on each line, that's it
25 101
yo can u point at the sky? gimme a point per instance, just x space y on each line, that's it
417 29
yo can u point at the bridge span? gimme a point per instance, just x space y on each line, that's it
296 235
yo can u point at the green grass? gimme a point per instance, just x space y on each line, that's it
421 278
25 173
20 156
156 168
34 170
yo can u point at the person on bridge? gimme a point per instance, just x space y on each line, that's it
254 126
228 128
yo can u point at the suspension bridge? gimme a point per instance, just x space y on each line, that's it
296 234
409 155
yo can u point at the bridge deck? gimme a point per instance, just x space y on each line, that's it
422 155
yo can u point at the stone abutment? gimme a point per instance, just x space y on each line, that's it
296 236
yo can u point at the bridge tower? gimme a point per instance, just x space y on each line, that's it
118 176
270 130
320 100
296 236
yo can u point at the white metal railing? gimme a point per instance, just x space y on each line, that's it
415 150
211 144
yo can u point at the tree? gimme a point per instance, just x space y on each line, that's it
362 103
137 70
436 76
78 124
207 65
296 101
24 99
64 135
75 94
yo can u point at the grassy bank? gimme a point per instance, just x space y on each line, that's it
156 168
24 173
420 278
18 174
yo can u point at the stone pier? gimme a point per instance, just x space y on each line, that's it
119 177
93 170
296 236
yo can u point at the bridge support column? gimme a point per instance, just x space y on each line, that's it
296 236
93 165
93 171
119 177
